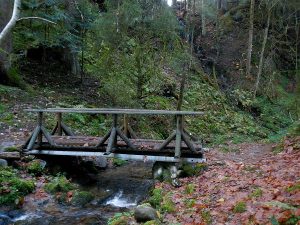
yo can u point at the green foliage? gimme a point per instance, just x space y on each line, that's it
256 193
81 198
152 222
120 218
167 206
189 169
240 207
294 187
59 184
11 149
190 189
15 78
206 216
189 203
119 162
156 197
35 167
12 186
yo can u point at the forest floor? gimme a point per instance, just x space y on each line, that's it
243 184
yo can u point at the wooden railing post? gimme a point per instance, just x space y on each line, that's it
40 123
59 120
179 131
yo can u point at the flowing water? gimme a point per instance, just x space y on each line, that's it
116 190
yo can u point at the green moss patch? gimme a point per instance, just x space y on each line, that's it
12 186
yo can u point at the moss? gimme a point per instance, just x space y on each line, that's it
35 167
190 189
81 198
240 207
256 193
152 222
59 184
120 218
192 169
119 162
206 216
156 197
11 149
12 186
15 78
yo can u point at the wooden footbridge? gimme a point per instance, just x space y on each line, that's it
120 141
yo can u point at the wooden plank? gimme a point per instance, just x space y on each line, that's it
10 155
188 142
116 111
104 139
143 158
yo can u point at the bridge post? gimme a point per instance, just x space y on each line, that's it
59 120
40 123
179 132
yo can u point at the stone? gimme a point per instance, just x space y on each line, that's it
3 163
100 162
144 213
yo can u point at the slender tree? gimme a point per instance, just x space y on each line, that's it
250 39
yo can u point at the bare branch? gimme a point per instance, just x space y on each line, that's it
37 18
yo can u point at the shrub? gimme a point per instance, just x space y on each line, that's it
156 197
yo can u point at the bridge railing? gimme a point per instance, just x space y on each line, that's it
118 136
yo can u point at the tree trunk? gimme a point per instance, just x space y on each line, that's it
261 58
203 25
250 41
6 39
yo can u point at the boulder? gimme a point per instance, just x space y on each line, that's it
3 163
144 213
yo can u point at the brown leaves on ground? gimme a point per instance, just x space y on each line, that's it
240 193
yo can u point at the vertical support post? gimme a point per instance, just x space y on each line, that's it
125 125
59 120
112 142
115 124
179 130
40 123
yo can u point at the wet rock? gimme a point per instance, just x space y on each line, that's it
144 213
3 163
4 219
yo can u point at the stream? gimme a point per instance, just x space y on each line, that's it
116 189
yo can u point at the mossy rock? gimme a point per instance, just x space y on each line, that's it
81 198
120 218
59 184
12 186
